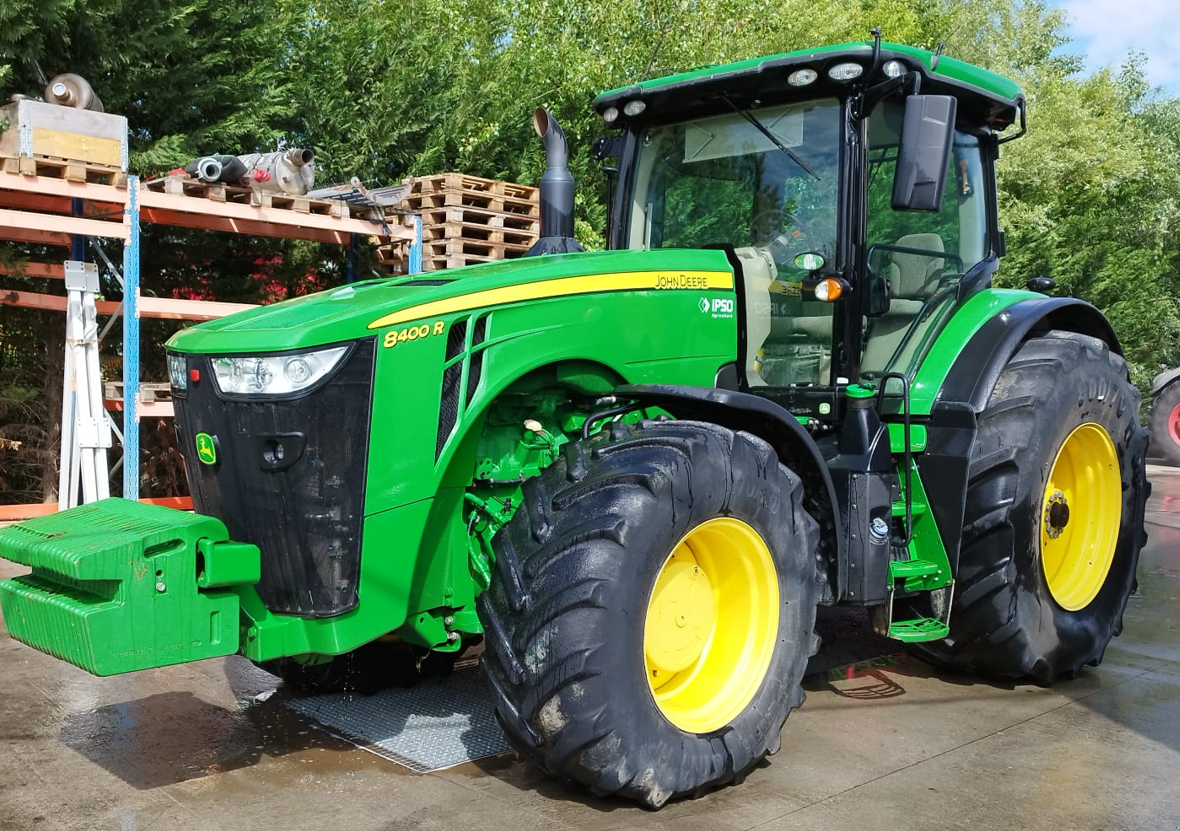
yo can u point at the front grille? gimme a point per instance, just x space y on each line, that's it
290 479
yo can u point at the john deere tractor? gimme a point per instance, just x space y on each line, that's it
636 473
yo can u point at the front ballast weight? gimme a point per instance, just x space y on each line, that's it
118 586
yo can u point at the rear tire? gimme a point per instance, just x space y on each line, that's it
1041 588
1165 423
593 598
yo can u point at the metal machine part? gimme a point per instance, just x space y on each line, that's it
70 90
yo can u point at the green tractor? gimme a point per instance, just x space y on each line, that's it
636 473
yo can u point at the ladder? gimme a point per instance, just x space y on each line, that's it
85 431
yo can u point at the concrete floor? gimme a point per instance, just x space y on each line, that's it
890 744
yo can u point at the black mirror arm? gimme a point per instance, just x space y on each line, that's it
874 95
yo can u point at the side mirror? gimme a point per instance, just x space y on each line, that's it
927 133
878 299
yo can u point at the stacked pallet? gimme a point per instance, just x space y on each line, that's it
466 220
217 192
61 168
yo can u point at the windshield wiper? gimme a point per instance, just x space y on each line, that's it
790 154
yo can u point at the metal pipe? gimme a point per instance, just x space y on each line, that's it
209 169
557 185
300 156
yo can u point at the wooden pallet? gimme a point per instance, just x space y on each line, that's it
476 233
457 190
217 192
466 220
418 202
480 217
148 391
71 171
441 182
459 260
396 260
474 247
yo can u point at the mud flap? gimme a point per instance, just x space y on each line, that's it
118 586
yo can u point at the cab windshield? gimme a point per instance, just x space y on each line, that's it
766 181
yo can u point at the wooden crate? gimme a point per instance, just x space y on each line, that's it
49 131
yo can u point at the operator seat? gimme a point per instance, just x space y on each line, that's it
757 275
913 279
782 348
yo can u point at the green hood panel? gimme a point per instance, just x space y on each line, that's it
354 311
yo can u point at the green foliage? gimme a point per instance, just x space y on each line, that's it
1090 197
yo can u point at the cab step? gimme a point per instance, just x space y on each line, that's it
905 569
920 629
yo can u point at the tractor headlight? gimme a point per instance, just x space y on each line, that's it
274 374
177 372
634 107
845 71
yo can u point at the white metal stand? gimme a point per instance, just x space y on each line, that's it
85 432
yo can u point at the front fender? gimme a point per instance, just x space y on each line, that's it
777 427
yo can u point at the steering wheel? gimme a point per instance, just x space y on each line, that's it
793 236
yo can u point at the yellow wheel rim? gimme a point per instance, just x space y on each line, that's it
1080 517
711 625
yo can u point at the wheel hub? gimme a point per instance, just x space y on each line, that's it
712 625
1056 515
1080 517
679 619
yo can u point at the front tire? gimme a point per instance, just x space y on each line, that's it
1054 515
653 610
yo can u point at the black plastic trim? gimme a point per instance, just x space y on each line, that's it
944 468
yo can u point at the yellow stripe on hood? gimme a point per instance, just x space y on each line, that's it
563 287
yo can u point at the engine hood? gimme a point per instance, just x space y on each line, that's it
364 309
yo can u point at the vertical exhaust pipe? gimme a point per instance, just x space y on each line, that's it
557 190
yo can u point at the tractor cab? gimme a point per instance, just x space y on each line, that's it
852 186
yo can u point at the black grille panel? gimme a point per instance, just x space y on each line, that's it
448 405
290 478
476 370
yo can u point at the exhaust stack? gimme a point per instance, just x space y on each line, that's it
557 190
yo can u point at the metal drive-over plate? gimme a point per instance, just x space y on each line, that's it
439 723
443 722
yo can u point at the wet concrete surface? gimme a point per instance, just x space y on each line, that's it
889 743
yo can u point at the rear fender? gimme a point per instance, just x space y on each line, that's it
1164 379
983 357
964 392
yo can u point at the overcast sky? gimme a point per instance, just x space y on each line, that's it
1106 30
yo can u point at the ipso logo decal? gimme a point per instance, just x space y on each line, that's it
716 307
